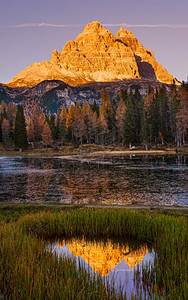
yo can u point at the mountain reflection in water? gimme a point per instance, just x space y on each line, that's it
115 261
118 180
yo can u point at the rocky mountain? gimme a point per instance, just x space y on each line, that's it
96 56
53 94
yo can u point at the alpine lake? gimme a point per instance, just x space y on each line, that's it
119 180
126 263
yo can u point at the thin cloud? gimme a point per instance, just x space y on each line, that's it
172 26
25 25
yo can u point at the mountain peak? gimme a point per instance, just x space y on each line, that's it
96 55
93 26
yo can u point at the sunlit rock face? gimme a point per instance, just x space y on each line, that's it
103 257
96 56
148 67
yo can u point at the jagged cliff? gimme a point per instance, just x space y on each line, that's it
96 56
103 257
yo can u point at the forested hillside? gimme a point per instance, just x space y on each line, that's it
160 117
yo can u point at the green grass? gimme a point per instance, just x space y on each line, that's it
29 271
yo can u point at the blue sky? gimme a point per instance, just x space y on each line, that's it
28 34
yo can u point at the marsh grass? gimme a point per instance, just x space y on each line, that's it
29 271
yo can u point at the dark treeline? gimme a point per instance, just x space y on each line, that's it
157 118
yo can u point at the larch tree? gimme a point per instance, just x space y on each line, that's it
120 119
70 120
37 123
30 131
105 107
3 115
103 127
20 133
62 125
6 133
91 124
52 124
79 127
46 135
90 121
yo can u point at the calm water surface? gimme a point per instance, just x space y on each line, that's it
122 180
116 261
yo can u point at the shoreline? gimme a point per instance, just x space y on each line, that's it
107 206
92 152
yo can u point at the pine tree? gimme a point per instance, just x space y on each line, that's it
144 132
20 133
130 124
124 95
95 108
11 113
149 98
163 115
182 115
173 108
153 119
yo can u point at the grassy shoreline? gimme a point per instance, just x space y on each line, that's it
13 211
28 271
95 150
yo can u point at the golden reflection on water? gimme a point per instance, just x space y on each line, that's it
103 257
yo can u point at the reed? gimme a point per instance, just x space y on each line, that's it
29 271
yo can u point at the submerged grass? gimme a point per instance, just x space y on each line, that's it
29 271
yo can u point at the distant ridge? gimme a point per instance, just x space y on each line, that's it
96 56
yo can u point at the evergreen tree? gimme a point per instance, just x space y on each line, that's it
182 116
11 113
173 108
95 107
20 133
130 123
153 119
163 115
124 95
144 132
